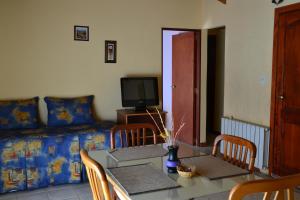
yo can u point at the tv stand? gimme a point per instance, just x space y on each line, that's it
140 109
132 116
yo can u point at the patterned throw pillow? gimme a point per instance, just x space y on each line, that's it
19 114
69 111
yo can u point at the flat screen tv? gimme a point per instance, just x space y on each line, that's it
139 92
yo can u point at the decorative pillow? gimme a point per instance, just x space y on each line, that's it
19 114
69 111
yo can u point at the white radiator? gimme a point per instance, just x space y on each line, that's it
259 135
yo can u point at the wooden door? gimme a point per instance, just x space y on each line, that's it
285 109
186 85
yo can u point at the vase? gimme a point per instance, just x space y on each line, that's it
173 160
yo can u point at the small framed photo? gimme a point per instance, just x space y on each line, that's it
110 51
81 33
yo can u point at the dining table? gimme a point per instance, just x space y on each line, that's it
197 187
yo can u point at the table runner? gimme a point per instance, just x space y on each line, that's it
142 178
213 167
139 152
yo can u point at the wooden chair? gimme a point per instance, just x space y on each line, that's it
97 177
236 151
133 134
272 188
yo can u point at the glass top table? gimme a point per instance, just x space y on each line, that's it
190 187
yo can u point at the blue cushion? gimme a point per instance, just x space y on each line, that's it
19 114
69 111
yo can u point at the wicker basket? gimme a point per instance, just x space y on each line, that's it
186 171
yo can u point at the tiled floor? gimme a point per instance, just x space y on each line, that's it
65 192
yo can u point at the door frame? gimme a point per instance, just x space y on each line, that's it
276 68
197 97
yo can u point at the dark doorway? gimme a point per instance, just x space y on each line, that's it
215 82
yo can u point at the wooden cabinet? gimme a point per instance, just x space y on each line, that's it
130 116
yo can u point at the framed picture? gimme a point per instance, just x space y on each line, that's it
110 51
81 33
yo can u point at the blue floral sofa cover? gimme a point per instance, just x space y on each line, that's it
35 158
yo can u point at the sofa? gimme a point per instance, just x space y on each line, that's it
34 157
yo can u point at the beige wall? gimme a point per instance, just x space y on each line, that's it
248 55
39 57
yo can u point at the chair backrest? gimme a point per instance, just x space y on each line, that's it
272 188
132 134
236 150
97 177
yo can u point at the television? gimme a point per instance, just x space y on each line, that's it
139 92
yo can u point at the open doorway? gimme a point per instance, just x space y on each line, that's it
181 81
215 82
167 73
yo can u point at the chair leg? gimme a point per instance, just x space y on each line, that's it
114 195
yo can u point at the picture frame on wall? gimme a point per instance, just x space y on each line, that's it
81 33
110 51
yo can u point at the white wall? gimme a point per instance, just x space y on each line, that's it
167 74
38 56
248 55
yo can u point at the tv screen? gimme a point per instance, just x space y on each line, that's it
139 92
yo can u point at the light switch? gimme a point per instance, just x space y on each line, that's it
263 80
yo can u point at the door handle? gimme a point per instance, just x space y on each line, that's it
281 97
173 86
